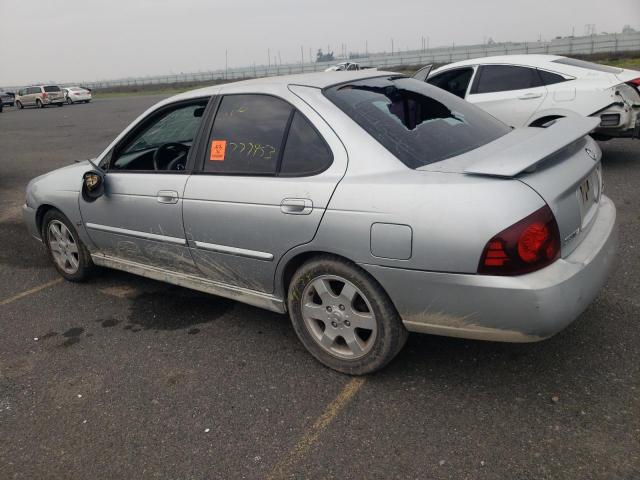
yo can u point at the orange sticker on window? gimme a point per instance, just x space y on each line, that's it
218 148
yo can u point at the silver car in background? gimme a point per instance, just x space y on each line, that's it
364 204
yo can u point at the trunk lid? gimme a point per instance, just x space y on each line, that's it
627 75
560 163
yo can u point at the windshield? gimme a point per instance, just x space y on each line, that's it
418 123
51 88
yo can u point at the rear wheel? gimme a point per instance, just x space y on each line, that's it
69 255
39 103
344 317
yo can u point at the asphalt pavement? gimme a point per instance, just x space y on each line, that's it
123 377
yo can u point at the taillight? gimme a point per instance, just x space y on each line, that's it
530 244
635 82
45 95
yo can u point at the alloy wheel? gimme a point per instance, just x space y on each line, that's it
63 247
339 317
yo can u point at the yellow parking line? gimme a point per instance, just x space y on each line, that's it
311 436
30 291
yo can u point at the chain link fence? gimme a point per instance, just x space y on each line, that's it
595 44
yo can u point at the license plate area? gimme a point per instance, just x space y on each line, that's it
588 193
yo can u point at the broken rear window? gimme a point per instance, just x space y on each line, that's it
418 123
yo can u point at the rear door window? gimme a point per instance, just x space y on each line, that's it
306 152
549 78
502 78
415 121
453 81
247 136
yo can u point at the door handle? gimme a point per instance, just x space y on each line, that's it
167 196
296 206
528 96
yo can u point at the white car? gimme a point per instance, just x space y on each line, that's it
344 66
533 90
76 95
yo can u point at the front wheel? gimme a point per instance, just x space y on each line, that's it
19 105
69 101
69 255
344 317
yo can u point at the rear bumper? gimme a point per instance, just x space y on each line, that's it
524 308
629 126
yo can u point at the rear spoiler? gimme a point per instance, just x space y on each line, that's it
532 146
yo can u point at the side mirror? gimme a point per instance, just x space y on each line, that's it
92 185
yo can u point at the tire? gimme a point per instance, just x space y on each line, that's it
67 245
69 101
325 321
19 105
39 103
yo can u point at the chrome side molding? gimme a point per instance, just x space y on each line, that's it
241 252
137 234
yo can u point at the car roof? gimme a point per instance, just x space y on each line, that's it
316 80
533 60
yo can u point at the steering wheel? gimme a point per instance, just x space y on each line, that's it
175 147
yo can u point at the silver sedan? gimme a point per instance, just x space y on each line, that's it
364 204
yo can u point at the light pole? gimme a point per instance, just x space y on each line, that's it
226 64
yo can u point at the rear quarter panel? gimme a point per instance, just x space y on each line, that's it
578 97
451 215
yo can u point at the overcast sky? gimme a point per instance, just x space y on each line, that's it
76 40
